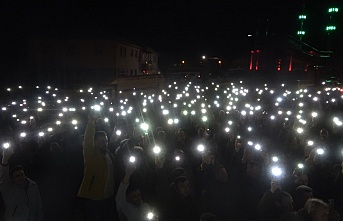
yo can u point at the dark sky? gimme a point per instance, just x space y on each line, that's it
176 28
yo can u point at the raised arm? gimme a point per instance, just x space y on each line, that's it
4 170
121 194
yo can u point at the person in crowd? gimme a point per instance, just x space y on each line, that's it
297 178
130 206
314 210
338 191
251 189
220 194
275 202
303 193
182 204
318 171
97 187
20 194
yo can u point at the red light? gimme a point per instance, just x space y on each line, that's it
250 65
290 63
257 51
279 65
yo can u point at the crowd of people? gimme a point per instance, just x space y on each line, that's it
230 151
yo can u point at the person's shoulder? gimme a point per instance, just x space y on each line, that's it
31 183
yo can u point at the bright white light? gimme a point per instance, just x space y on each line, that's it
185 112
50 129
227 129
279 99
41 134
310 143
300 166
74 122
300 130
243 113
201 148
337 121
118 132
250 143
272 117
314 114
177 158
144 126
204 118
249 129
165 112
97 107
276 171
320 151
132 159
170 121
6 145
257 147
157 149
150 216
275 159
23 134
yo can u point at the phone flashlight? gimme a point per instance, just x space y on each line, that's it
257 147
132 159
320 151
177 158
301 166
276 171
201 148
150 215
118 132
157 150
6 145
97 107
275 159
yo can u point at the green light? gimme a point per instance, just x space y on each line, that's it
330 28
301 32
302 17
333 10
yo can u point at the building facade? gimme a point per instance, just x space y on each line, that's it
88 61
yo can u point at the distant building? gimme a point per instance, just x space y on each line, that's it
286 56
88 61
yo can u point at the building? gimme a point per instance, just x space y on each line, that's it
68 62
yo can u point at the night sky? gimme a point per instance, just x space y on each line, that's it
175 29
